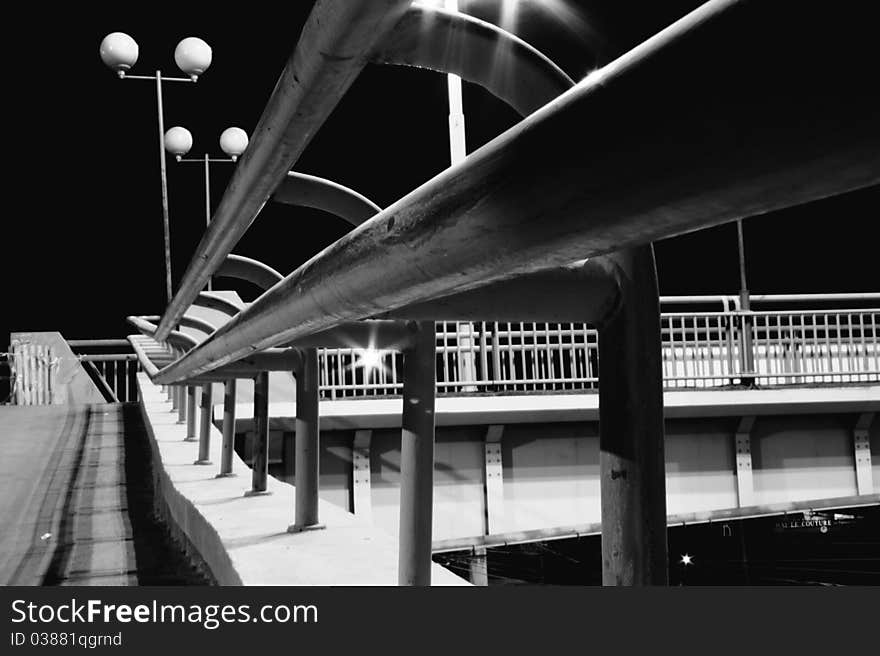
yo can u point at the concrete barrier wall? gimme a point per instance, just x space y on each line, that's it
244 540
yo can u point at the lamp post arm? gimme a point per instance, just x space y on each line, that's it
124 76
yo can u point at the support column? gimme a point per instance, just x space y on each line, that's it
417 457
260 464
180 393
175 397
479 567
205 425
631 460
360 475
745 487
494 481
307 444
228 447
862 446
191 403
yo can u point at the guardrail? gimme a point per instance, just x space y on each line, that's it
700 349
113 373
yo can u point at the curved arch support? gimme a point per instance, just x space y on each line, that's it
175 339
195 323
320 194
215 302
250 270
476 51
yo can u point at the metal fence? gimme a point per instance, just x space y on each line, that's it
32 373
699 349
114 373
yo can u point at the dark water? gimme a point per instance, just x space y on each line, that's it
840 547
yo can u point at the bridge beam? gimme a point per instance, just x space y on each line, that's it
228 446
417 457
260 451
308 436
631 460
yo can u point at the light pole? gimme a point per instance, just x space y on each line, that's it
193 56
233 141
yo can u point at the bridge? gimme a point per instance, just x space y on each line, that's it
431 381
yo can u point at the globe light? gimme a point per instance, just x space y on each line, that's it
233 141
119 51
193 56
178 141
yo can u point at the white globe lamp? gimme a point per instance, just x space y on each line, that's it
119 51
178 141
193 56
233 142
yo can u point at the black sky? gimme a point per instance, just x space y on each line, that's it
83 237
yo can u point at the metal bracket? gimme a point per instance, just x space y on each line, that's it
745 487
360 476
862 453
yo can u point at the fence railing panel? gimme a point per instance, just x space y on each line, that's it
699 350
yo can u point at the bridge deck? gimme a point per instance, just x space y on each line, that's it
75 500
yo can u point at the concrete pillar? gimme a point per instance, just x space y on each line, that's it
191 393
631 460
479 567
260 464
360 475
417 457
307 444
745 487
175 397
205 425
228 447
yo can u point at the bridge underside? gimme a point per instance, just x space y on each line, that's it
526 468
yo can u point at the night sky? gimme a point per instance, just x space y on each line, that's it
83 222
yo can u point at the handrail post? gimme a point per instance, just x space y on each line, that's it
631 460
228 429
191 392
180 392
260 464
417 456
308 436
205 425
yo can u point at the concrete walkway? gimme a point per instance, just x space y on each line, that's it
75 500
244 540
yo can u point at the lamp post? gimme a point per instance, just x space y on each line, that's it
178 141
193 56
